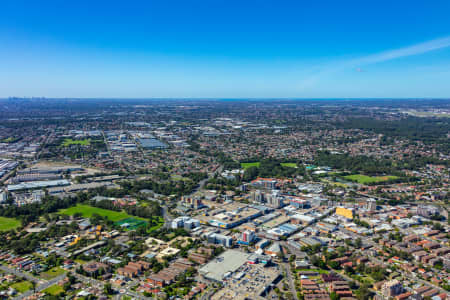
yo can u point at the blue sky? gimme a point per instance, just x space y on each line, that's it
214 48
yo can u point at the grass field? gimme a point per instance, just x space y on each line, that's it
8 223
52 273
363 179
250 164
54 290
22 286
68 142
290 165
87 212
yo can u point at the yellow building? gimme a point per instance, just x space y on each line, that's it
345 212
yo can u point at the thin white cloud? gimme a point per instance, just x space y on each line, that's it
357 63
404 52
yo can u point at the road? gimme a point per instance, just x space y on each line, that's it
201 183
122 292
43 284
287 269
166 216
41 287
165 211
16 272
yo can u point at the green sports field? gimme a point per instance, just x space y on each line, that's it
364 179
87 212
290 165
68 142
8 223
250 164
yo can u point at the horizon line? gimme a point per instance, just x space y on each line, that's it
222 98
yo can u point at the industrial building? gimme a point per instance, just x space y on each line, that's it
152 144
302 219
37 184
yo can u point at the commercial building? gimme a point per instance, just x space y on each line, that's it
302 219
298 202
274 249
230 215
345 212
220 239
251 281
185 222
248 237
224 265
283 230
326 227
267 183
427 211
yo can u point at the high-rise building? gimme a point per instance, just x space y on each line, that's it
257 196
427 211
391 288
274 199
3 197
371 205
248 236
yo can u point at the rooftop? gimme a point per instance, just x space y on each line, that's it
228 261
